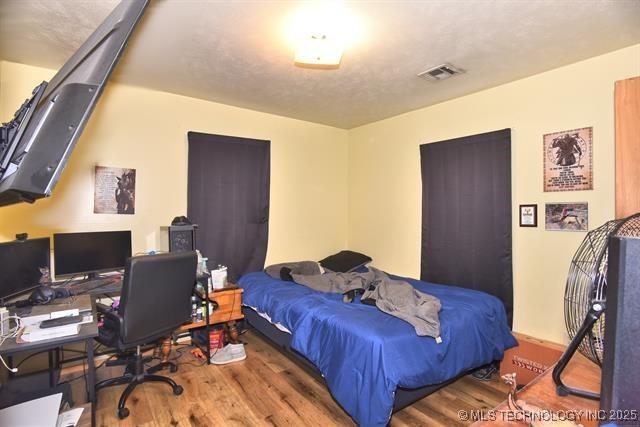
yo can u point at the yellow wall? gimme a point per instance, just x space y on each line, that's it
313 211
146 130
385 183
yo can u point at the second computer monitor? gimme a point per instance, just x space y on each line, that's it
90 253
23 265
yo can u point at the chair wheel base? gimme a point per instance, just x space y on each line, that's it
177 390
123 413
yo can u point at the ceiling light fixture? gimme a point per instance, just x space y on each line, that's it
320 32
318 50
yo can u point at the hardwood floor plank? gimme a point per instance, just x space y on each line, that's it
412 417
302 406
272 357
260 395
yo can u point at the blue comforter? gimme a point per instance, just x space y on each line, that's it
365 354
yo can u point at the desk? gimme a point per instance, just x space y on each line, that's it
88 332
541 392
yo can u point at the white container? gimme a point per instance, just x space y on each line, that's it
219 278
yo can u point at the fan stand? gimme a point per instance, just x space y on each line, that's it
596 310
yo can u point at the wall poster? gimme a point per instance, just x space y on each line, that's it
568 160
115 191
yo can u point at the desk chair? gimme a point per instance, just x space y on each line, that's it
155 300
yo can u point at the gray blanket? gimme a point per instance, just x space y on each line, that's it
286 269
394 297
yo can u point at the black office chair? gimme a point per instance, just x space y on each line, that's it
155 300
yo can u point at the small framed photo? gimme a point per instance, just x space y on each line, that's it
566 216
528 215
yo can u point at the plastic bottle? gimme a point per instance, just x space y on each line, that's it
194 308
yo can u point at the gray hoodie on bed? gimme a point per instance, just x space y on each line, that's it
395 297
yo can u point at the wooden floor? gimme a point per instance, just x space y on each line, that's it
267 389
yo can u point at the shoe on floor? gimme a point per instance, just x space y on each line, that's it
485 373
228 354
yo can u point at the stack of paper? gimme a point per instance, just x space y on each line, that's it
33 333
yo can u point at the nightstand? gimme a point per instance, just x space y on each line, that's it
228 311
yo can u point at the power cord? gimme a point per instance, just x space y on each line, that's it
13 332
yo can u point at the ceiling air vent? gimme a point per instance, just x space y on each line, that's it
441 72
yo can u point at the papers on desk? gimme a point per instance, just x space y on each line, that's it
35 320
61 308
33 333
31 319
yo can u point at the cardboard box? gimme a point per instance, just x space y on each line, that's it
530 358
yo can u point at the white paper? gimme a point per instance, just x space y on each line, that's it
65 313
33 333
34 320
69 418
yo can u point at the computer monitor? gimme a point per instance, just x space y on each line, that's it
22 265
90 253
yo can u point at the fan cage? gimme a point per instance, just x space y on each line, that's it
587 282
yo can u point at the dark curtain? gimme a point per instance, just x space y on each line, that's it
228 197
466 214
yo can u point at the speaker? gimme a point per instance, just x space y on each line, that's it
180 237
620 388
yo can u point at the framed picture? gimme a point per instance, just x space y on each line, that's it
568 160
528 215
114 191
566 216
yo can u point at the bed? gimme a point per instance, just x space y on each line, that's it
374 363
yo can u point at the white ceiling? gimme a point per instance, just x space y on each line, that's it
234 52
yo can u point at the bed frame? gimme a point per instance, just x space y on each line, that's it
282 341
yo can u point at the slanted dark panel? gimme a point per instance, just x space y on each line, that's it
466 214
228 197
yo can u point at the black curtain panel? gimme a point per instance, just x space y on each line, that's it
466 214
228 197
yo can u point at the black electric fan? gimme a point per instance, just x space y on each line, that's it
585 298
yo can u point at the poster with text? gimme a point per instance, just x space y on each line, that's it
115 191
568 160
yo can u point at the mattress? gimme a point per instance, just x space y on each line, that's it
365 354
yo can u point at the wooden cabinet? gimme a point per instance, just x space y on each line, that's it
627 112
229 309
